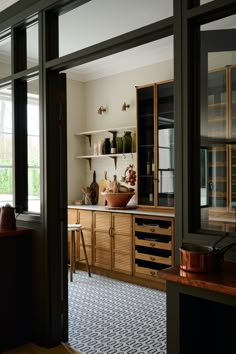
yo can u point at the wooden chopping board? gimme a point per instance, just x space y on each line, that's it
94 190
103 184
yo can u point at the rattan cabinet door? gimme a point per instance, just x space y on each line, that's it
122 243
102 239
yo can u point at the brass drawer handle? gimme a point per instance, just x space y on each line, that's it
152 258
152 244
152 272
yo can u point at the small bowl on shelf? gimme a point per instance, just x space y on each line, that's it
119 199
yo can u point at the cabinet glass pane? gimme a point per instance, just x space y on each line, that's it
233 135
165 145
218 127
146 145
233 101
216 121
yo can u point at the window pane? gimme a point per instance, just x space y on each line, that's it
5 57
6 149
97 21
218 126
32 46
6 182
33 147
6 195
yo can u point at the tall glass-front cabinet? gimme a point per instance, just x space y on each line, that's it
155 141
218 139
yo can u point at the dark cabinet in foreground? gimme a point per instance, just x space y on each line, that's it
16 289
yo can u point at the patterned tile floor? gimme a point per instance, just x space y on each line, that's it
107 316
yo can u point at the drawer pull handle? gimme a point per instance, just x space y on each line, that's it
152 230
152 258
152 244
152 272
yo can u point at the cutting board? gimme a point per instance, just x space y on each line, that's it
103 184
94 190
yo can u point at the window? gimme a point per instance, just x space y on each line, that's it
33 147
6 156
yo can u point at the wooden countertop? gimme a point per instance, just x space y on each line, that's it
12 233
220 282
135 211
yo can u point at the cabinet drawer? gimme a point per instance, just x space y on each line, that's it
153 244
153 229
146 271
153 258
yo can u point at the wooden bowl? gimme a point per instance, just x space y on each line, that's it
117 199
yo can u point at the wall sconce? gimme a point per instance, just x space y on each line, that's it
101 110
125 106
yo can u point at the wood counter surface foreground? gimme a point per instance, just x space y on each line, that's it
221 282
12 233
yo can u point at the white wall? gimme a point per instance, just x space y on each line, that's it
75 113
110 92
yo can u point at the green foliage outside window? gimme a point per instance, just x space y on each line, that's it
34 182
5 180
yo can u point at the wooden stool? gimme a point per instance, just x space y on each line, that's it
75 228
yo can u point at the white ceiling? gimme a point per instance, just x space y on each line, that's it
6 3
99 20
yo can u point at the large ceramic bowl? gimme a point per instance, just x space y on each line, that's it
117 199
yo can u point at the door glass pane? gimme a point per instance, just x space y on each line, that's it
97 21
33 147
166 144
218 126
6 181
32 45
5 56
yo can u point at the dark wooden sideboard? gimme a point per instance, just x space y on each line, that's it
15 287
201 311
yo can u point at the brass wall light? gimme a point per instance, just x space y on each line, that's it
125 106
101 110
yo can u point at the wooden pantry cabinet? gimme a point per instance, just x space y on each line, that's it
153 245
134 247
112 239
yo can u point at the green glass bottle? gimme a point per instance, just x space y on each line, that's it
127 142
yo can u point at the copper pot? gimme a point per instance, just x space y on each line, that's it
202 259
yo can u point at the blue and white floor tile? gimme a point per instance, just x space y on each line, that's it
107 316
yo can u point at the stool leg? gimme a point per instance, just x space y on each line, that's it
71 255
85 252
